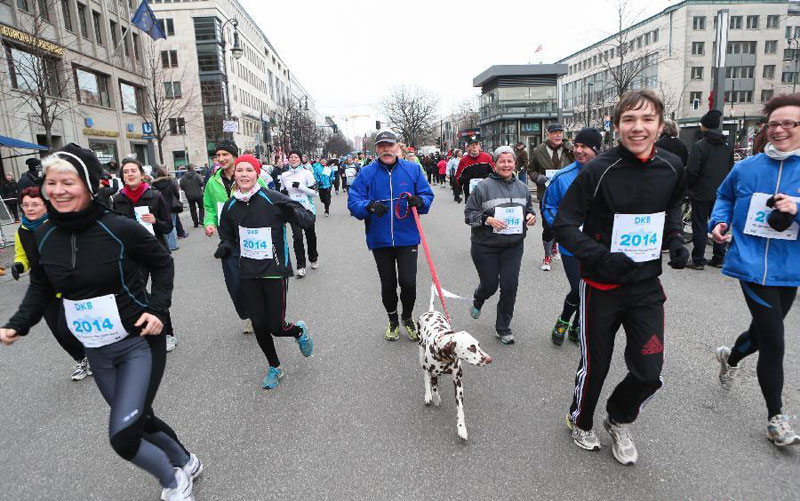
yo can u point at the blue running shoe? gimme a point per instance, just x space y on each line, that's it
304 341
476 313
272 378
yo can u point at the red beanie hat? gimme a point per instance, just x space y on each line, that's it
250 159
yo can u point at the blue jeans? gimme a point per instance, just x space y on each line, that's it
172 236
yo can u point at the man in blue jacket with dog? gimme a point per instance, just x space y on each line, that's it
382 196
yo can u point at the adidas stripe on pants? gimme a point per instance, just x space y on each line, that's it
639 309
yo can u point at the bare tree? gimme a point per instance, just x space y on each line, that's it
337 144
296 129
412 111
41 82
466 114
167 98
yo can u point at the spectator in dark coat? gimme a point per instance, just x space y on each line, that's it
8 192
192 185
710 161
669 141
33 176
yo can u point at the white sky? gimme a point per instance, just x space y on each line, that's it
348 54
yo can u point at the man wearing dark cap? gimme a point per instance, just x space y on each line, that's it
553 154
217 192
382 196
33 176
709 162
473 167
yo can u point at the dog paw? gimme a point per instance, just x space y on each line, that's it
428 400
462 432
437 400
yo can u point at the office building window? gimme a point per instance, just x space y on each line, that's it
695 95
25 71
741 48
169 58
697 73
752 22
735 23
766 95
82 20
699 22
44 10
23 5
92 88
739 96
113 26
772 21
98 34
167 26
177 126
788 77
698 48
131 97
172 90
770 47
739 71
769 71
67 16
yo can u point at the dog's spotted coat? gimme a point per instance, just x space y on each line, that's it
441 351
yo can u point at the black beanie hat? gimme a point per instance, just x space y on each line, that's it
34 164
296 152
85 162
711 119
229 146
590 137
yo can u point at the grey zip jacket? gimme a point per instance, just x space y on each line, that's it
489 194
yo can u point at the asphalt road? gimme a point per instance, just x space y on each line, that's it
349 422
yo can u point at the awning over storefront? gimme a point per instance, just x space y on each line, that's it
17 143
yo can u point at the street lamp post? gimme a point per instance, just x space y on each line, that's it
795 57
589 88
236 52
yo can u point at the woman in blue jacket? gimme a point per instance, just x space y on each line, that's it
324 176
758 203
382 196
587 145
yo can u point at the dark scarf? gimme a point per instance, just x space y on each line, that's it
136 194
76 221
32 225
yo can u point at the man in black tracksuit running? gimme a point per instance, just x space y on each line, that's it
626 201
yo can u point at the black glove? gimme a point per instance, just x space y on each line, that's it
16 269
777 220
678 254
285 192
414 201
377 208
223 250
617 265
541 179
295 184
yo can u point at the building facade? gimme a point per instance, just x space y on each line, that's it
245 92
87 61
517 103
672 53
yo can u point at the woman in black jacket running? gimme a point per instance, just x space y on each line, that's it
109 310
253 228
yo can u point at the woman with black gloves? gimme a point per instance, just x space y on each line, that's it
109 310
140 202
252 227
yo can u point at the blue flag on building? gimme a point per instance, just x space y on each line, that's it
145 20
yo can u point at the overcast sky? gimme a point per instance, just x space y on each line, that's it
348 54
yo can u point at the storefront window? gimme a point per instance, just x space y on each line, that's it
105 151
130 97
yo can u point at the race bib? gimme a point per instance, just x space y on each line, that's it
139 212
474 182
326 171
302 199
95 322
350 173
220 205
549 173
255 243
512 216
638 236
757 215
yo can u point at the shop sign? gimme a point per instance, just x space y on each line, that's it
31 40
97 132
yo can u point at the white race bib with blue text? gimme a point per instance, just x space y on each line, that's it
638 236
255 243
95 322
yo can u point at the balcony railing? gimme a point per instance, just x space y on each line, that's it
541 107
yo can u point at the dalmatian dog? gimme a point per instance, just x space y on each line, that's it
441 351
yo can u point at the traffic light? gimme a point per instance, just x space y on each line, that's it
335 129
696 104
377 125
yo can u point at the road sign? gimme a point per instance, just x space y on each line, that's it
607 125
230 126
147 128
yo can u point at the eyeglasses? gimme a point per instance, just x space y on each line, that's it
786 124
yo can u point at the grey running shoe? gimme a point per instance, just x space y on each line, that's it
780 432
171 343
726 372
505 338
623 448
194 467
585 439
248 327
81 370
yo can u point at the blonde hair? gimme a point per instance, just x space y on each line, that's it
57 164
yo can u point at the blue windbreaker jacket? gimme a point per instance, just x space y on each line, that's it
555 193
323 181
376 183
760 260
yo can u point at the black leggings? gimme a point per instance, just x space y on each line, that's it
128 374
397 264
57 322
572 268
498 266
768 307
265 301
325 197
300 249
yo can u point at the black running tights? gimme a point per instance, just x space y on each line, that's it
397 265
265 302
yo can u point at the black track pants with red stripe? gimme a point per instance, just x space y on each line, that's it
639 309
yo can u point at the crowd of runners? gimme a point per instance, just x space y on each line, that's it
101 269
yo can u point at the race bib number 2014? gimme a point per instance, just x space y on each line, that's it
95 322
638 236
512 216
255 243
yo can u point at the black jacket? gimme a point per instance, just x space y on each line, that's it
157 206
673 145
616 182
27 180
265 209
709 162
192 184
9 190
169 190
103 258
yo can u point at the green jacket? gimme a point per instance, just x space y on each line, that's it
214 196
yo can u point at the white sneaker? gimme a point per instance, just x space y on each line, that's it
301 272
171 343
546 263
623 448
183 491
248 327
726 372
314 265
585 439
193 468
81 370
780 432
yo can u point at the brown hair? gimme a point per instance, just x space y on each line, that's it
636 100
780 101
134 162
30 191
